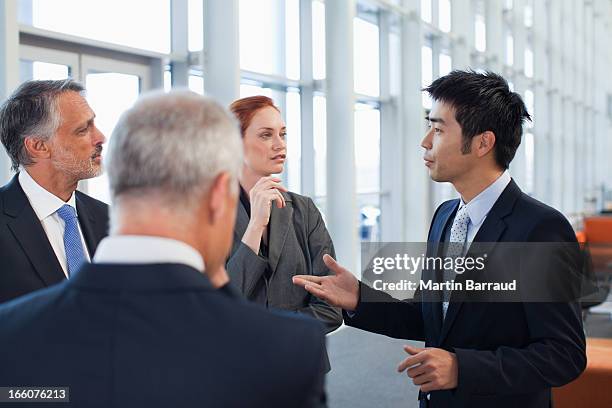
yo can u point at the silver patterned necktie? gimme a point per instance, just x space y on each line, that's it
456 247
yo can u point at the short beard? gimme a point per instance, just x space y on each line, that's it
66 162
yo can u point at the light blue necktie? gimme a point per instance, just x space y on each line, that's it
75 255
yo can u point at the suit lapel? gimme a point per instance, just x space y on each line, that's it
242 221
488 235
88 225
28 231
280 220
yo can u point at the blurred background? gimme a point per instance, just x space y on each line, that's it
347 76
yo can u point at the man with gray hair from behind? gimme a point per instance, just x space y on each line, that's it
145 324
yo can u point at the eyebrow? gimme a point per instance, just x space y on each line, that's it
88 123
435 120
269 128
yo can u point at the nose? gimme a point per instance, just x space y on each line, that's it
99 137
280 144
426 142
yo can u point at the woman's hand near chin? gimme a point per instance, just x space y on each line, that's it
263 193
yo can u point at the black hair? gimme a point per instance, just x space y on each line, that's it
484 102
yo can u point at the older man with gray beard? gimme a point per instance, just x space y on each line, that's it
48 230
145 324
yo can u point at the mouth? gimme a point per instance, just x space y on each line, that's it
279 157
428 163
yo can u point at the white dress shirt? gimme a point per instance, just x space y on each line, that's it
45 205
479 206
144 249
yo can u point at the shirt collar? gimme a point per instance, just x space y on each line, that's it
42 201
141 249
479 206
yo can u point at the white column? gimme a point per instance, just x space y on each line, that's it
180 43
518 165
495 35
341 199
221 53
462 22
9 66
306 99
569 111
556 113
391 136
417 203
541 114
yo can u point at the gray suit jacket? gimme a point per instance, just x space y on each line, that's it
297 242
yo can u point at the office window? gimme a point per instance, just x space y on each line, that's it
294 140
426 10
426 73
292 39
446 64
110 21
509 49
366 57
367 175
261 37
444 15
320 146
530 104
528 62
480 31
318 39
196 84
196 24
529 162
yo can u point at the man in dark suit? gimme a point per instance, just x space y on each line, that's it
48 130
145 325
476 354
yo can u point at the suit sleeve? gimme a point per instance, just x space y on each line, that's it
320 243
385 315
245 268
555 353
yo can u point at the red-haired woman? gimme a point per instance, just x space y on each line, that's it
278 233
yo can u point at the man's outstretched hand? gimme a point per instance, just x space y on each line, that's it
340 289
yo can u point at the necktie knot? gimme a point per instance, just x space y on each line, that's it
67 213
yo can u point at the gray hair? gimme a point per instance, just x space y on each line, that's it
171 147
32 110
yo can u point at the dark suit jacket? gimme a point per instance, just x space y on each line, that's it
28 261
509 354
297 242
158 336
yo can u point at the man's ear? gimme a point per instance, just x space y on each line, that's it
218 197
37 148
485 143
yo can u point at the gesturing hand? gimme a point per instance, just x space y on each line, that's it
431 368
266 190
340 289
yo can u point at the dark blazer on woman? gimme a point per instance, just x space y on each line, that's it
297 241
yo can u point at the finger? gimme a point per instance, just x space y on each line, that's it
282 203
418 370
422 379
411 361
412 350
333 265
305 279
317 291
431 386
